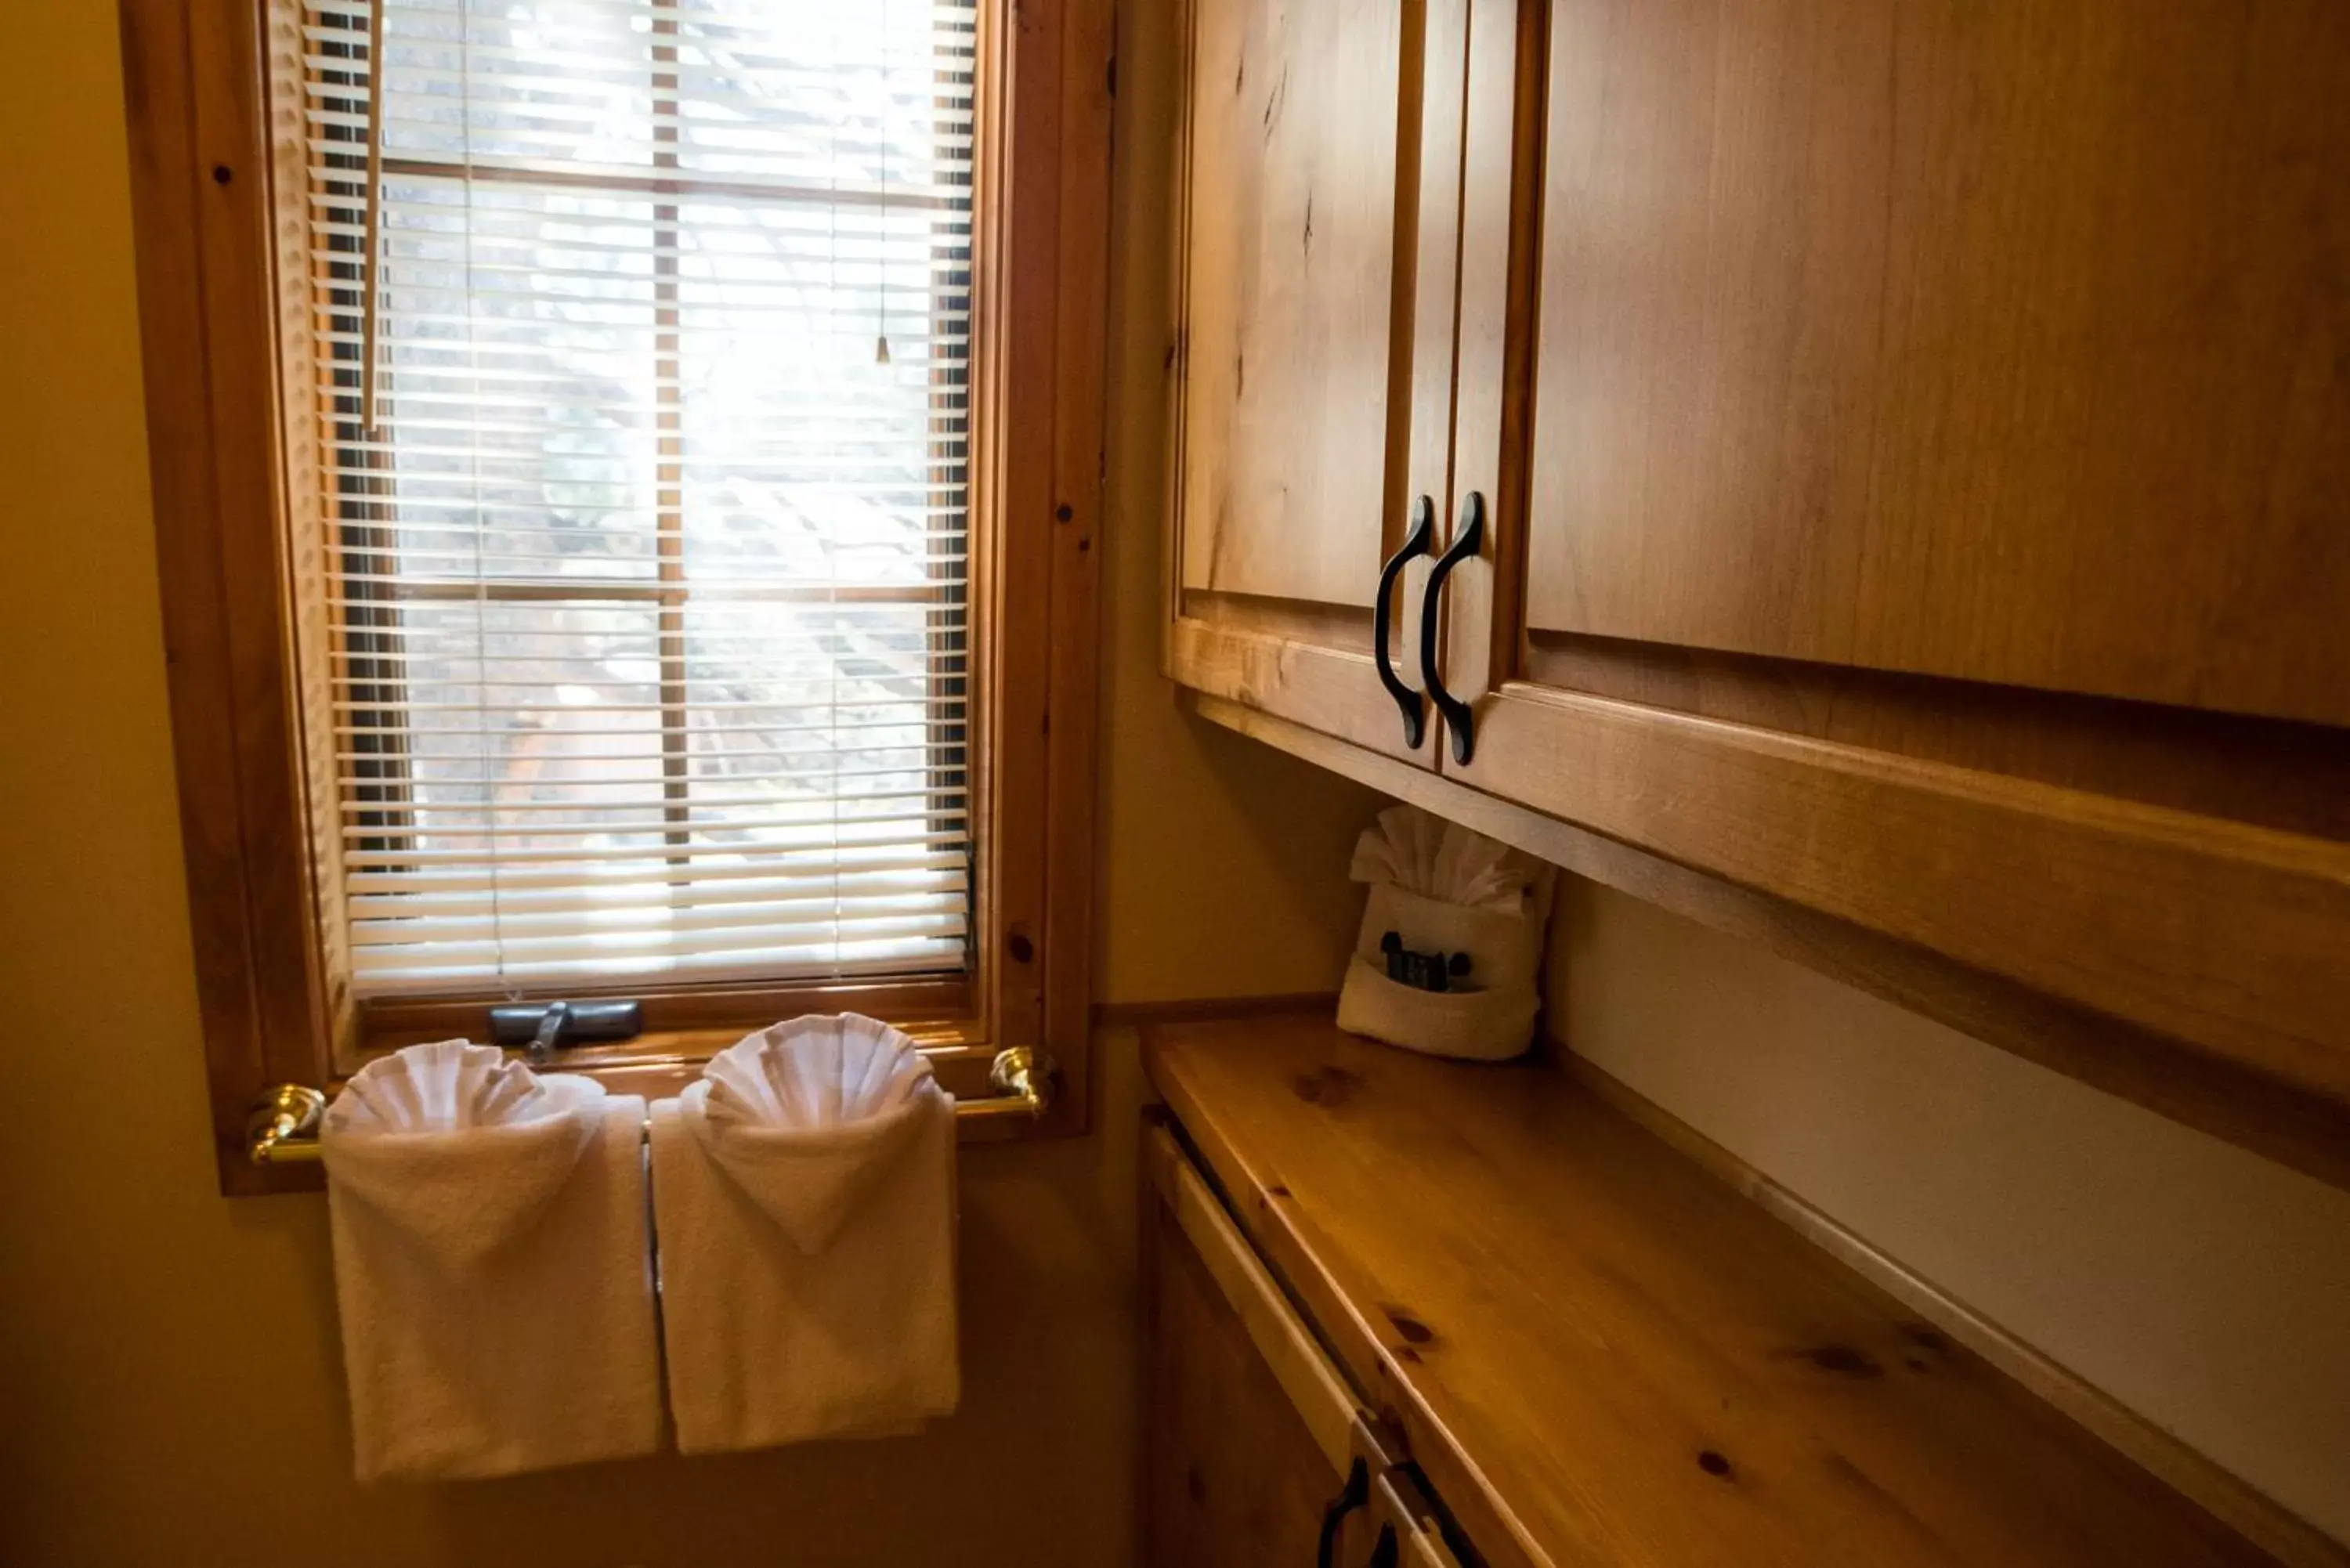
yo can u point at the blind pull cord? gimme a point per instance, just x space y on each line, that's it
370 277
881 313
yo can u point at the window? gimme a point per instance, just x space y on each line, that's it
625 476
648 423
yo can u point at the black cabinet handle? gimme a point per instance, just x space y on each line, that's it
1415 543
1352 1496
1466 542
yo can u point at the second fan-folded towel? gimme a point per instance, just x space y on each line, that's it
804 1197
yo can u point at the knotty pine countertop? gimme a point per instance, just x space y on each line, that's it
1599 1353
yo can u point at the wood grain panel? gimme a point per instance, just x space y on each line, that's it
1332 626
1319 234
2001 342
1087 73
1437 267
1314 1388
1601 1355
203 151
1497 271
1332 690
2234 938
1289 345
1233 1475
2259 771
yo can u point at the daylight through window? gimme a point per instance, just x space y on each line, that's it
648 485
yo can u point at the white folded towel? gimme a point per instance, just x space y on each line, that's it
804 1196
490 1266
1445 891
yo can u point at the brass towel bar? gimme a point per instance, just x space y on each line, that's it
283 1127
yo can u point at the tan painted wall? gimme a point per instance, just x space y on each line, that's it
1219 857
168 1375
2204 1287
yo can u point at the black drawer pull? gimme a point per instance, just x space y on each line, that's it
1466 542
1352 1496
1415 543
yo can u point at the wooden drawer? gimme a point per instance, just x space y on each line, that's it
1257 1446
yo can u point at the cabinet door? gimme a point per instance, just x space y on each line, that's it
1319 214
1249 1434
2002 343
1924 477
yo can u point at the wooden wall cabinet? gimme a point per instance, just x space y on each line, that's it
1319 211
1914 448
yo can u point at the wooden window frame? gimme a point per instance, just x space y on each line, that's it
219 172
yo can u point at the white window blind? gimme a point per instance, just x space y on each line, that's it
647 485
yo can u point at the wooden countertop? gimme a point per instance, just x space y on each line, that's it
1598 1352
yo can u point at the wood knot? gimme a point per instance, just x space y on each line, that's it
1842 1360
1413 1331
1326 1086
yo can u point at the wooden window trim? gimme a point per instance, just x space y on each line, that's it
214 94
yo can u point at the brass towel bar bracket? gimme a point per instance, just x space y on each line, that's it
283 1127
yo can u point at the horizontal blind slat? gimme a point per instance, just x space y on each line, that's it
426 886
835 961
846 888
400 938
367 857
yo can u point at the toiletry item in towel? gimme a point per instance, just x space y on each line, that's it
491 1266
1451 942
804 1199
